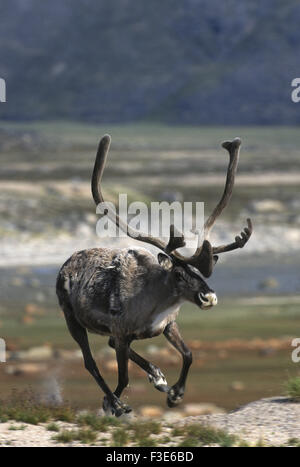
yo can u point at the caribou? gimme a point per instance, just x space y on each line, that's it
131 293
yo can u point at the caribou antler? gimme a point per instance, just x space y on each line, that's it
240 242
233 148
205 256
176 238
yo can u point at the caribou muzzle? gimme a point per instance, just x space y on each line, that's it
207 300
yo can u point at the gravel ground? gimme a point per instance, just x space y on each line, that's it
23 435
271 421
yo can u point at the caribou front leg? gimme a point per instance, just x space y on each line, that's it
155 375
176 392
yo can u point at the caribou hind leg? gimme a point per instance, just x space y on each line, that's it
155 375
122 353
176 392
79 334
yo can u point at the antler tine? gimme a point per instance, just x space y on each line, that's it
233 148
240 241
100 161
176 239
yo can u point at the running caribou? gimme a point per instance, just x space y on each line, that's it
130 294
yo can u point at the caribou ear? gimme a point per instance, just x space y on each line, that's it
165 261
215 258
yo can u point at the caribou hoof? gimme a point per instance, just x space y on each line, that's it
175 396
115 407
159 380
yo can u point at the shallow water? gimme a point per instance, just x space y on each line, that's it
234 278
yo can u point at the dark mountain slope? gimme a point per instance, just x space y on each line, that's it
195 61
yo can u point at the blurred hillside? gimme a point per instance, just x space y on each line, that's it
202 62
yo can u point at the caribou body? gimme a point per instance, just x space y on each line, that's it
130 293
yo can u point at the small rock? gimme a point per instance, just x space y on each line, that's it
152 349
173 416
17 282
201 409
40 297
237 386
32 309
269 283
151 411
43 352
67 354
34 282
91 218
111 365
27 319
267 205
223 354
25 369
106 353
195 344
84 230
